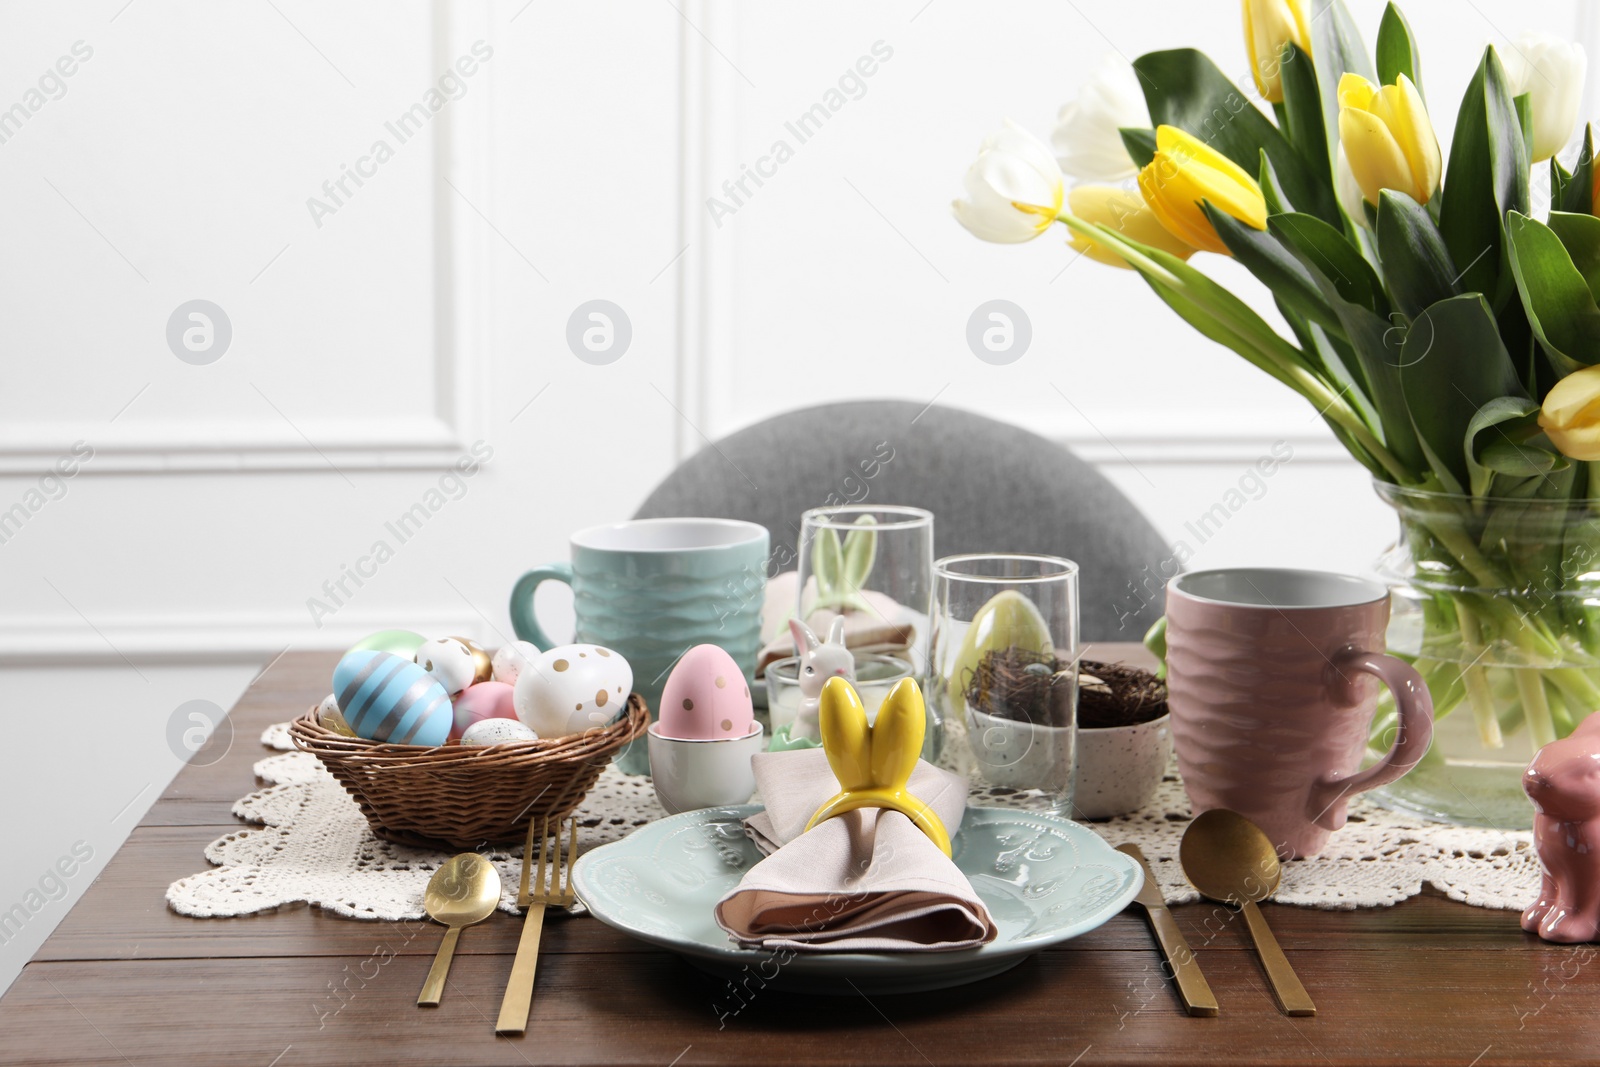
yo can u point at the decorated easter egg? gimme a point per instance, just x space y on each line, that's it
705 698
387 698
450 661
509 660
1006 620
573 688
497 731
331 718
396 642
482 665
486 700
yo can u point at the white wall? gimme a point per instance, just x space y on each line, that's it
428 314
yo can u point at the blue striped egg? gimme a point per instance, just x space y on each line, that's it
386 697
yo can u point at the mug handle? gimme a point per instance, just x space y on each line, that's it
1414 705
523 619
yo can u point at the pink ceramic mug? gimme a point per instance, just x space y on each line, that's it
1270 681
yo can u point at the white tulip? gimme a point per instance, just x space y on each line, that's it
1014 188
1086 140
1349 191
1550 70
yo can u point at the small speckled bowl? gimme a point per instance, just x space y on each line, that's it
1119 768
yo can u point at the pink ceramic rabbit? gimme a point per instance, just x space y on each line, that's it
1563 781
818 662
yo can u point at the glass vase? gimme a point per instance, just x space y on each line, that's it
1496 602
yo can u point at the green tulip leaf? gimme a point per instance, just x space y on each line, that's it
1183 88
1523 102
1302 114
1505 416
1141 144
1521 461
1274 266
1452 363
1577 196
1272 189
1376 344
1559 304
1326 248
1330 353
1221 316
1336 47
1155 639
1487 176
1580 236
1397 50
1559 178
1415 259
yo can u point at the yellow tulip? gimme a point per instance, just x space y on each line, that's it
1186 171
1570 416
1270 26
1125 212
1388 138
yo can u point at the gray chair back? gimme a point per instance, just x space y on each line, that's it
992 487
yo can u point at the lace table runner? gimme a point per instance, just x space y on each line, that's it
313 846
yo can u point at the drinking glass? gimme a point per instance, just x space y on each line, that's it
874 566
1004 671
875 676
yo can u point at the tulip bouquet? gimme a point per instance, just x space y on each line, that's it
1445 328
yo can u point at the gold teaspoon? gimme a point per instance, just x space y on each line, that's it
463 891
1228 859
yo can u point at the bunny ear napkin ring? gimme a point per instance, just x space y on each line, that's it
874 763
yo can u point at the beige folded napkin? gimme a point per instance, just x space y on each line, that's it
865 881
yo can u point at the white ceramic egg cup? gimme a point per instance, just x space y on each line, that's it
690 774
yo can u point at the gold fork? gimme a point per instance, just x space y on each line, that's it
556 890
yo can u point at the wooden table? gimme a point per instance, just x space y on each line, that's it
124 980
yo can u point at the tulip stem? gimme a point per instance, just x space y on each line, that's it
1268 356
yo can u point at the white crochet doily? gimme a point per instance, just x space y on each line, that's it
313 846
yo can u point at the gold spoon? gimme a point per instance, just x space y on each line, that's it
1229 859
464 890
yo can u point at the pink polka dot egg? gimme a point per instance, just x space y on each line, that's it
706 698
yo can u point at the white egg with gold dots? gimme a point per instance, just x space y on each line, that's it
450 660
573 688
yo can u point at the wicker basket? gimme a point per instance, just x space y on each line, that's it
465 797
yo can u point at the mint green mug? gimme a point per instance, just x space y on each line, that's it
652 589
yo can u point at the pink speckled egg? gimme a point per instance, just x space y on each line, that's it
706 698
486 700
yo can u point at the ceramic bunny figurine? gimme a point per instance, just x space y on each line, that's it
1563 781
819 661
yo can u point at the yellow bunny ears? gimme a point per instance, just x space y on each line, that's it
874 763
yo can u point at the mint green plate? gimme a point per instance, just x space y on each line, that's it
1045 880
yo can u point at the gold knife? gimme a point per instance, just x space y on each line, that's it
1192 987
